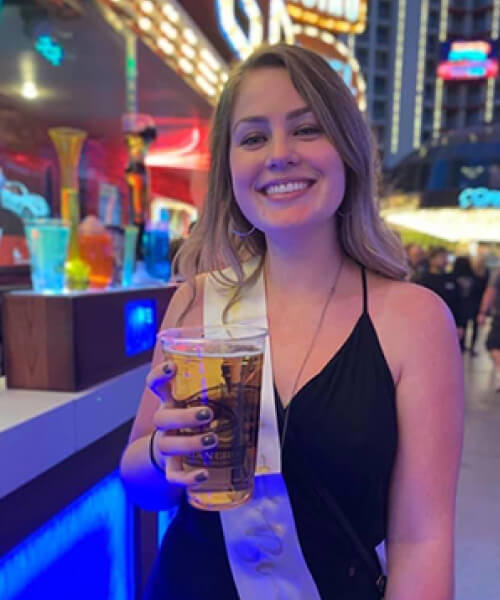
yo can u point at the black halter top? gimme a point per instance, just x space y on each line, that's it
344 422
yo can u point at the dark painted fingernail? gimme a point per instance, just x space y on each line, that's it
209 439
168 371
201 477
203 415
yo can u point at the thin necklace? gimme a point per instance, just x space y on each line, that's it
308 352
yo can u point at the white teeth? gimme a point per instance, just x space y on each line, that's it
284 188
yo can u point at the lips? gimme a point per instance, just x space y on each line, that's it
287 186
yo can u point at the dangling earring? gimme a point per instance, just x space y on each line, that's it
243 234
344 214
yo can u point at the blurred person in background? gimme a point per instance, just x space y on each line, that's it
482 276
443 284
417 261
471 287
490 304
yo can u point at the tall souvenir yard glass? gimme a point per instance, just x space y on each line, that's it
48 244
68 143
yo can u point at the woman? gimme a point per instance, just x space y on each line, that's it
367 369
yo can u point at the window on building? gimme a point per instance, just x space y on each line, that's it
480 22
496 114
379 108
430 67
473 117
474 94
362 56
432 44
380 85
428 115
456 23
381 59
382 34
429 91
451 119
384 9
433 22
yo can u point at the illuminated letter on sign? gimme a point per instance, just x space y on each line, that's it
239 42
480 197
279 20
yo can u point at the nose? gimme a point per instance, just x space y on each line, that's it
281 153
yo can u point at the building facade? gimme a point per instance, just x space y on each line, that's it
399 53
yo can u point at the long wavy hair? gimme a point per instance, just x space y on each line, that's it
363 235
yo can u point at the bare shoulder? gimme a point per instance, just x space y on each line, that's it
187 296
410 305
413 324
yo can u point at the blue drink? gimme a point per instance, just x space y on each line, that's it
48 241
129 254
157 247
156 253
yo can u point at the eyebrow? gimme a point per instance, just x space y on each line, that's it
293 114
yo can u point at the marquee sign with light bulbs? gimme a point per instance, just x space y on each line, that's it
171 31
336 16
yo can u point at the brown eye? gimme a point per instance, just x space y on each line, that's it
308 130
253 140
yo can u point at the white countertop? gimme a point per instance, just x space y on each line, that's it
39 429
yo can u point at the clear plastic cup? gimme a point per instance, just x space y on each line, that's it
48 241
220 367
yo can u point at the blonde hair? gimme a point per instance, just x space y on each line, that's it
362 233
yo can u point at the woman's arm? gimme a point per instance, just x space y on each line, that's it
430 399
145 484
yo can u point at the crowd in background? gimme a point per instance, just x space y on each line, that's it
470 288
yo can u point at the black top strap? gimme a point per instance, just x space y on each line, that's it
365 290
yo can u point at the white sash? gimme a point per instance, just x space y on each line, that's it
261 540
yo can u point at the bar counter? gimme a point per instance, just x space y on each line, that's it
59 487
63 509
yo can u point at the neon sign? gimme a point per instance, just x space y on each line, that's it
241 43
337 55
468 60
342 16
50 50
480 197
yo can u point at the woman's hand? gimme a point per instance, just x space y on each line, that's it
168 446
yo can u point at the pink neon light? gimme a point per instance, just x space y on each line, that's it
183 153
449 70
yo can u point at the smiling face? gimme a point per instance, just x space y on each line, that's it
285 172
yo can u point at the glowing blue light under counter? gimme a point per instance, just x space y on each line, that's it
99 528
140 326
165 518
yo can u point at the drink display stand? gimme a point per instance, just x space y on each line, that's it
71 341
